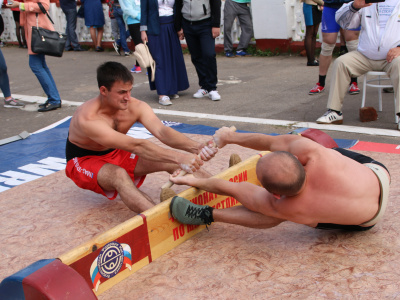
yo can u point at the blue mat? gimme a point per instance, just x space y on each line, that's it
43 153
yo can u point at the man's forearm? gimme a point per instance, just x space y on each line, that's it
150 151
244 192
177 140
256 141
212 185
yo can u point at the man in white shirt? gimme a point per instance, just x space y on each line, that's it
378 50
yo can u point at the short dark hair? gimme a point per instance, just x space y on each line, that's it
281 173
110 72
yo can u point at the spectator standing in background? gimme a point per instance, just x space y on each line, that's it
131 10
69 9
157 29
31 15
114 27
9 101
312 10
94 20
241 10
118 15
330 29
1 28
199 23
19 30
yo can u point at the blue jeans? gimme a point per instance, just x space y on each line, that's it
201 45
122 28
115 31
4 81
39 67
72 38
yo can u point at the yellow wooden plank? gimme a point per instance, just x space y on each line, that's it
166 234
100 240
161 235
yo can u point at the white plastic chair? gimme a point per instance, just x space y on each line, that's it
380 81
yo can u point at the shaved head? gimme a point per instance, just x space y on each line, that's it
281 173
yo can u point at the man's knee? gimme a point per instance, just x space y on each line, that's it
120 173
112 173
352 45
327 49
340 62
209 56
209 53
396 63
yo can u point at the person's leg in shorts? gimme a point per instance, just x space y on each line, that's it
115 178
312 17
330 30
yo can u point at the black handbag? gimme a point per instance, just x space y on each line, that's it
46 41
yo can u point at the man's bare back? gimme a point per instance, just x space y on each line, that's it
337 184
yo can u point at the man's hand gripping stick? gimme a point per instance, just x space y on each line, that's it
183 173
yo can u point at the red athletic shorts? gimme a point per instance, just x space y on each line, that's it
83 170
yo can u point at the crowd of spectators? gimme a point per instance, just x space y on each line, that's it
161 24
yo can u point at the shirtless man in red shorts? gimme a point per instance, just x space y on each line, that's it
302 182
102 158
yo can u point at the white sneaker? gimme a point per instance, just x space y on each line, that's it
165 101
330 117
214 96
116 48
200 93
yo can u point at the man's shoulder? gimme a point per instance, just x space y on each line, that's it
306 149
87 111
138 105
88 106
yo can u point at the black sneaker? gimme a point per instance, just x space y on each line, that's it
44 104
188 213
314 63
49 107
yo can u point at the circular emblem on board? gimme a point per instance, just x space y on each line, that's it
110 259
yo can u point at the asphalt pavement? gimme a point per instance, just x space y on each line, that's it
261 94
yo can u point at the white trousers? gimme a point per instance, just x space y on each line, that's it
354 64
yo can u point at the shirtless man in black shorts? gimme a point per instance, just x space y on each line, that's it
102 158
302 182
